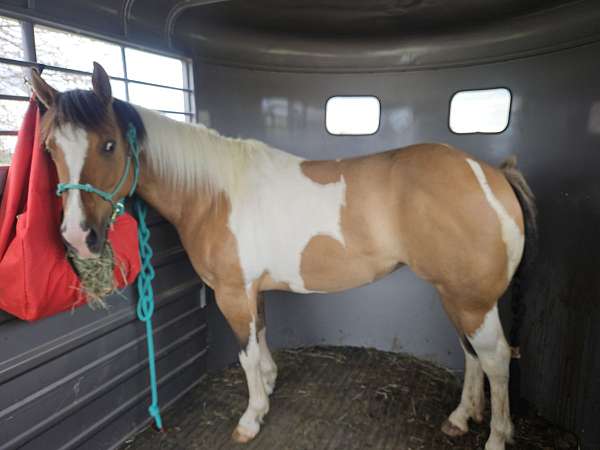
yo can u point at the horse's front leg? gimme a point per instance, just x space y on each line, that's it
240 310
268 368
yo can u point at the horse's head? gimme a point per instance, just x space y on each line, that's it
85 133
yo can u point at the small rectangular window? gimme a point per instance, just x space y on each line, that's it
153 68
160 98
480 111
352 115
12 43
11 114
74 51
7 148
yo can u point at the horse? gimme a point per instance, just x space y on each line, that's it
253 218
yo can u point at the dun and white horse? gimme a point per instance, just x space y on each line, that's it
253 218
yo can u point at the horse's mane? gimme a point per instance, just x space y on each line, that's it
191 156
187 156
85 109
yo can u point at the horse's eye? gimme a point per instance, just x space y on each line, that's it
109 146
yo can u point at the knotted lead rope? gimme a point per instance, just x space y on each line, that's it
145 306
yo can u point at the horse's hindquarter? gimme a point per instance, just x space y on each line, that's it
454 231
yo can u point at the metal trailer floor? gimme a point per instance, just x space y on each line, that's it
337 398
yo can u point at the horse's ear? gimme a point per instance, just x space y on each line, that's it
43 91
101 84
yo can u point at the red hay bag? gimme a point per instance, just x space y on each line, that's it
36 279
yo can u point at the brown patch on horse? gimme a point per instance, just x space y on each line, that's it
213 250
322 172
431 228
371 247
267 283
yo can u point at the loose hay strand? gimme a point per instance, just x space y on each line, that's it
96 276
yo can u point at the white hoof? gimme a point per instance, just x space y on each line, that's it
495 444
243 435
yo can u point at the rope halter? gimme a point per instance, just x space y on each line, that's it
118 207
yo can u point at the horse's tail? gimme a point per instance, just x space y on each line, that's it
523 274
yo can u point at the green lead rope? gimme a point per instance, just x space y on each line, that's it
145 306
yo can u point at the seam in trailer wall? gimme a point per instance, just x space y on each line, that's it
570 45
93 331
166 406
29 15
132 371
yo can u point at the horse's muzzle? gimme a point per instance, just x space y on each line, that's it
86 242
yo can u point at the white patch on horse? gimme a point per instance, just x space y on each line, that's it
275 209
268 369
511 234
276 214
74 143
472 400
258 401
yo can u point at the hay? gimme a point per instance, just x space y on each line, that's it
338 398
96 276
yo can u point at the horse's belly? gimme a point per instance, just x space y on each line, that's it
326 265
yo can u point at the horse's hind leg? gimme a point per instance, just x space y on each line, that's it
494 354
268 368
493 357
241 313
472 401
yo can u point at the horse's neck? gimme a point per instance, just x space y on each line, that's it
186 169
171 203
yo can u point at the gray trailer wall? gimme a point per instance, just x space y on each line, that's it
555 133
543 51
80 379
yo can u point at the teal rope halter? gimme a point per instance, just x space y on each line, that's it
145 306
118 207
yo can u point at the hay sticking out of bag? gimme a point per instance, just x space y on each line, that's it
96 276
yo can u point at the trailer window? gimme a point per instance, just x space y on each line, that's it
352 115
145 78
12 87
480 111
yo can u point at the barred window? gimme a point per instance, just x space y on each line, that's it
145 78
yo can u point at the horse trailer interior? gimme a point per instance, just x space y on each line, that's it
376 366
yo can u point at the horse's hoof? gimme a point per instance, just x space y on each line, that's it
449 429
242 435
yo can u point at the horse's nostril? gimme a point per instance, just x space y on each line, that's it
92 240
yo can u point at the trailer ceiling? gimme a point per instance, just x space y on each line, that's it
330 35
383 35
359 18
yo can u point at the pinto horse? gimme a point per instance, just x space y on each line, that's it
253 218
